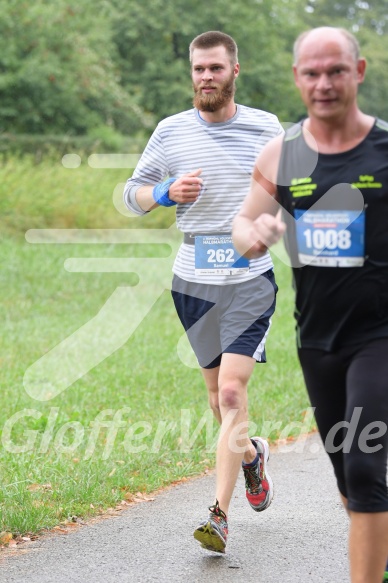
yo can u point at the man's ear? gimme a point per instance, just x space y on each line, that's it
361 68
295 72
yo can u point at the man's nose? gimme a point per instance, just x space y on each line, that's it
207 75
324 82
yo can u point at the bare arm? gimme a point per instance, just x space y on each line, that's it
151 171
258 225
185 189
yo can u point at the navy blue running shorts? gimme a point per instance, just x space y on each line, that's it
231 318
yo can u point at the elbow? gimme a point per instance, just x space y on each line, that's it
129 197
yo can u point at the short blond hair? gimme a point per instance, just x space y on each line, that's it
215 38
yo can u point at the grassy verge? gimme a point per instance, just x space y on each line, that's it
138 419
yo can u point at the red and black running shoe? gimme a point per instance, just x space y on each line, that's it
258 483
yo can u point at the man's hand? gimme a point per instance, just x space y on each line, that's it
252 238
186 189
267 230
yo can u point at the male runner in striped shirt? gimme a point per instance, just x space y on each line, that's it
201 161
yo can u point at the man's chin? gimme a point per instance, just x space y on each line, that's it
206 104
209 108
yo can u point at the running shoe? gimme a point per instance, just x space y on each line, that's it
258 483
213 532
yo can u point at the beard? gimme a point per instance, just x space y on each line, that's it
216 100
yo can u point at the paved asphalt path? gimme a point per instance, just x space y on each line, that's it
300 538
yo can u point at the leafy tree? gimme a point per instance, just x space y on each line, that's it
374 91
354 14
153 40
120 65
57 71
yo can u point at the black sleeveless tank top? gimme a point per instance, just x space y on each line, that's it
337 306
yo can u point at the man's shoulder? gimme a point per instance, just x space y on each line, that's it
293 131
261 114
177 119
381 124
378 137
255 119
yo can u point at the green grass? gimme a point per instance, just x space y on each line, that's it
57 459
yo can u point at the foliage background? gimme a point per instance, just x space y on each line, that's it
111 68
98 75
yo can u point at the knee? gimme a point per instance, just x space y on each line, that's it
359 474
214 403
337 461
365 483
231 395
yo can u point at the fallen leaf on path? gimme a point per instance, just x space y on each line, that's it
5 537
141 496
61 530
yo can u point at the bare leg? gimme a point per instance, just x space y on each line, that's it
210 376
234 375
368 546
345 503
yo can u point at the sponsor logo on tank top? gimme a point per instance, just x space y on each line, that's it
366 181
302 187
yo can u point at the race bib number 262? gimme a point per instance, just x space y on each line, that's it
216 255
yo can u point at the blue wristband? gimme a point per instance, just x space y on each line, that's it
160 192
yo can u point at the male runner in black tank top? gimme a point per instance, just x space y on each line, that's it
330 176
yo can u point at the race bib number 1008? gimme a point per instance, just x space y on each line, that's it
330 238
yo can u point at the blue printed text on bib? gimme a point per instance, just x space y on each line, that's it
330 238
